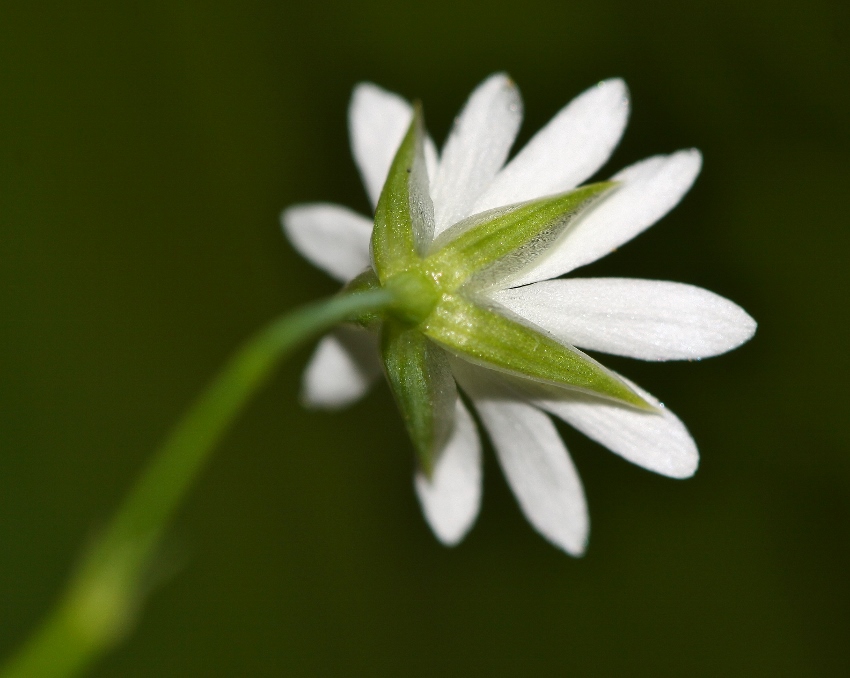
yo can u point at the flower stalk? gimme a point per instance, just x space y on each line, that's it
105 593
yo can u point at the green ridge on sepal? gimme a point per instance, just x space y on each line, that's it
424 388
492 340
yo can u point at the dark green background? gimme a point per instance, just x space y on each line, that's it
146 150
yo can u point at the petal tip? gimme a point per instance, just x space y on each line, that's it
310 399
680 466
500 76
746 327
617 87
579 549
366 88
613 94
684 470
291 222
286 214
574 543
290 216
684 473
693 156
502 81
449 527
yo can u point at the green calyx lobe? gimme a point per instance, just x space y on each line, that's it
488 248
404 224
404 215
421 381
491 339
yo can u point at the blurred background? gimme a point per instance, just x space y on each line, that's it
146 151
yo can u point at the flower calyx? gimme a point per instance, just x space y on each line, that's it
441 282
441 306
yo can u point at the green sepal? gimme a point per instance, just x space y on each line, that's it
489 247
490 339
404 216
423 386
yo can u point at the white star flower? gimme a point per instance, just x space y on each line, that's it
478 246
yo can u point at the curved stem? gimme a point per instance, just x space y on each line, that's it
105 592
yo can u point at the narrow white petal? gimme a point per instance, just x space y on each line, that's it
331 237
571 148
648 190
476 149
420 204
658 442
452 497
343 367
377 122
646 319
432 159
535 461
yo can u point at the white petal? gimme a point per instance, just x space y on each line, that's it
432 159
658 442
571 148
420 204
452 497
331 237
647 319
648 190
377 122
535 461
476 149
343 367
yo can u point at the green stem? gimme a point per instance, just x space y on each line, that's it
104 594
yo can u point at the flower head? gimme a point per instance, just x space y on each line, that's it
471 247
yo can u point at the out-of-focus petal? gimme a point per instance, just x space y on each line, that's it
377 122
451 498
332 237
343 367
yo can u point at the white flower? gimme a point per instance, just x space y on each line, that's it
646 319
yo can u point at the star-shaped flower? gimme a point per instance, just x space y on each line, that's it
473 246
